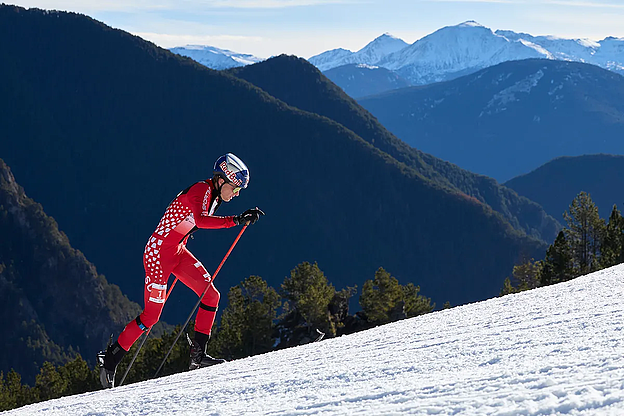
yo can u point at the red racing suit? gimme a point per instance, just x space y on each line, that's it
166 253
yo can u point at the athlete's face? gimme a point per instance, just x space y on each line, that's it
229 191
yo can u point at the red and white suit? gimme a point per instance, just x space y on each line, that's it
166 253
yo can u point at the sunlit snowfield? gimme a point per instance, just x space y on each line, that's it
555 350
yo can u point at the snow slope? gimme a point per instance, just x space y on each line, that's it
554 350
215 58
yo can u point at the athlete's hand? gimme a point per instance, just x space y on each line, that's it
251 216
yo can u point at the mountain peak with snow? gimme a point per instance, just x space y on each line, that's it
470 23
453 51
215 58
373 52
554 350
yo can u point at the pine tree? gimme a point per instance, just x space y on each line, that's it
247 322
508 288
527 275
309 292
558 265
415 304
612 251
382 298
13 394
80 378
584 233
50 383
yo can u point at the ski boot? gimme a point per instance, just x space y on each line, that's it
107 362
199 358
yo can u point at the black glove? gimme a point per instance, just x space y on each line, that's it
251 216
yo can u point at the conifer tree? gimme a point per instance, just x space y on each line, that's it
584 233
508 288
415 304
309 292
50 383
247 322
527 275
558 265
612 251
382 297
13 393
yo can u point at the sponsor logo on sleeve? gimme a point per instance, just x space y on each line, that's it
205 202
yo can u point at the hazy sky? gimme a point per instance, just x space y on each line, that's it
308 27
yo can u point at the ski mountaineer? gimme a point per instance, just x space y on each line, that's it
166 253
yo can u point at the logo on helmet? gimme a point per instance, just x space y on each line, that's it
229 174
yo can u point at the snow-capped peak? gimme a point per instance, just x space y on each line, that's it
370 54
379 48
331 59
470 23
454 49
215 58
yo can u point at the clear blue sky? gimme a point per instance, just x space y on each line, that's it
308 27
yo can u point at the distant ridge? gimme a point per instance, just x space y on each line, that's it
509 119
555 184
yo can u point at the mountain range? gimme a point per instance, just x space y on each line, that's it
105 140
555 184
454 51
511 118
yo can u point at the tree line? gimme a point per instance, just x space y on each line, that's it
256 320
588 243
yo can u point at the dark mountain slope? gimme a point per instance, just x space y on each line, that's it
511 118
362 80
300 84
52 301
106 129
559 181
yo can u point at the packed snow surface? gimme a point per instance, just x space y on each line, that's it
553 350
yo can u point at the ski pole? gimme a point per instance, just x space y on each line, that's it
144 339
201 297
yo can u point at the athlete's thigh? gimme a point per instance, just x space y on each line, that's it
192 272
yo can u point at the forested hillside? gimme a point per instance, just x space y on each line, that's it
53 302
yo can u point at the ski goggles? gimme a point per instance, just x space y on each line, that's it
235 189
